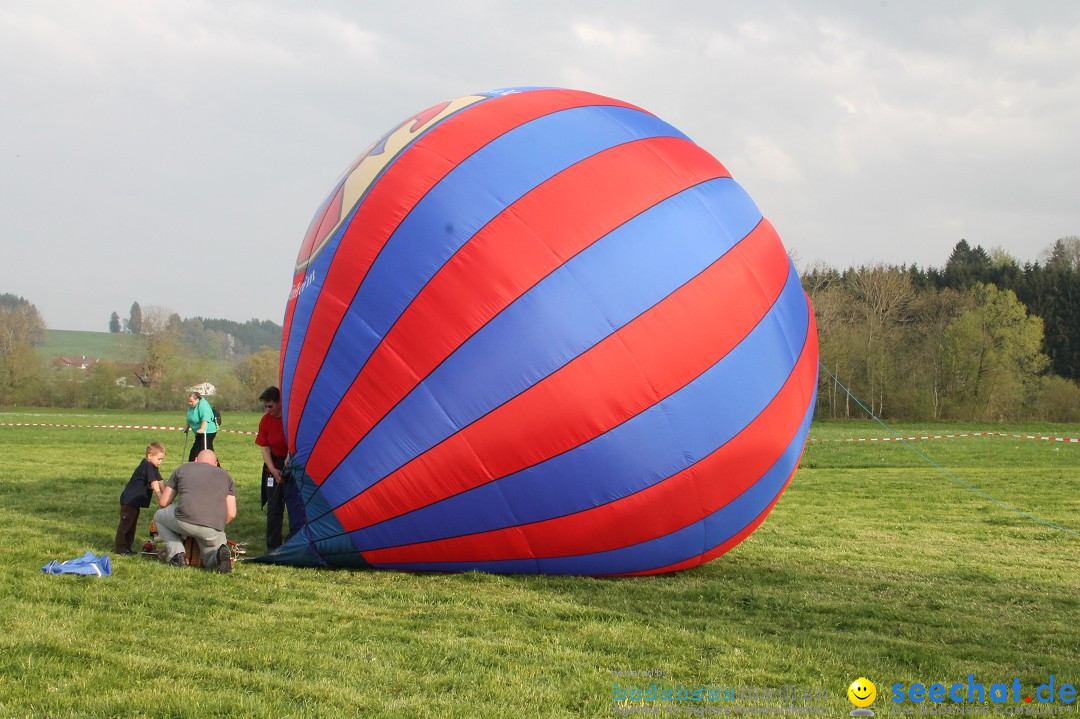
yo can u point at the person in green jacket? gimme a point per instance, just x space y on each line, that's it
200 419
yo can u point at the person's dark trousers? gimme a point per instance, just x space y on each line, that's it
284 495
125 532
275 511
202 441
274 499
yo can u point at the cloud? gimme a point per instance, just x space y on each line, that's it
623 43
770 159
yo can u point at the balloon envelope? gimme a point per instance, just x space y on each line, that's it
539 330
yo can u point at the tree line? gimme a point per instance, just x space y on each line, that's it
983 338
214 337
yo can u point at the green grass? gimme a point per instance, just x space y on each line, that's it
76 343
872 564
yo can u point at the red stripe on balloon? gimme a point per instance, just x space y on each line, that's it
517 249
632 369
686 497
421 166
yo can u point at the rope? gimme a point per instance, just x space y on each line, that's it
944 471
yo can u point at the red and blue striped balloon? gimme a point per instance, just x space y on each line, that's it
539 330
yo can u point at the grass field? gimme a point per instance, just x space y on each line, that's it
872 564
76 343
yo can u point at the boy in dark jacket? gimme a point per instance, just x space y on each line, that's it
145 482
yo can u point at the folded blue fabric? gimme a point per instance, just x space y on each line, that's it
89 564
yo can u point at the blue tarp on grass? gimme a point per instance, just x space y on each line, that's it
89 564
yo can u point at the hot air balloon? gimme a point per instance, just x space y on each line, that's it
538 330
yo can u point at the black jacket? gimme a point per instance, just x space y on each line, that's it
138 492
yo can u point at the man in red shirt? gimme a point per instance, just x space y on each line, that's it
278 492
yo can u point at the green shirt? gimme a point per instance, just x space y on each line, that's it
201 413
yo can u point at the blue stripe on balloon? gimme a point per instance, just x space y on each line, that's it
469 197
586 299
657 443
689 542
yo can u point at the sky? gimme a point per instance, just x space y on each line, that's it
173 153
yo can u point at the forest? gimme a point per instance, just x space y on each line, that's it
983 338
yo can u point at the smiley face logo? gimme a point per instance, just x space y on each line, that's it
862 692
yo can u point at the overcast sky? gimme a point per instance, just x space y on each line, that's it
173 153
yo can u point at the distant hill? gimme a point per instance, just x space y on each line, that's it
76 343
196 333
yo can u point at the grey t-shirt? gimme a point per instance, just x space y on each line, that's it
201 489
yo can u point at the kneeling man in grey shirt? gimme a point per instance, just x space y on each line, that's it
205 503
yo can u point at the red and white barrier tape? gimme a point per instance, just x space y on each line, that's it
950 436
113 426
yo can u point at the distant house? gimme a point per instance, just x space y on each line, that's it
205 389
82 363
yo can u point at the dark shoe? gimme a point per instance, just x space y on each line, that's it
224 559
179 559
128 553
